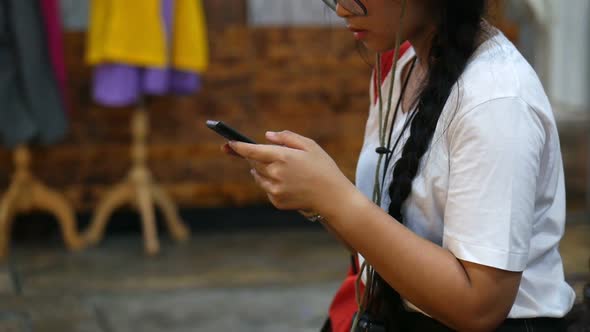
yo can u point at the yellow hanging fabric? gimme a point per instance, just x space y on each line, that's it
128 32
190 45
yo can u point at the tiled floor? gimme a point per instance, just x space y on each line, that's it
273 280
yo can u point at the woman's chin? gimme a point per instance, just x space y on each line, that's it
375 46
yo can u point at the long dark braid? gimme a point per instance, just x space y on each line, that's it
459 26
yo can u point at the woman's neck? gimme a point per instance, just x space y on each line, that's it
422 43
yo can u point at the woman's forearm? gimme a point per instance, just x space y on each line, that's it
339 238
427 275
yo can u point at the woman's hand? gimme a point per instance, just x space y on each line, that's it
295 172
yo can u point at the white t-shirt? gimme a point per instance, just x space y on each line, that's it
490 188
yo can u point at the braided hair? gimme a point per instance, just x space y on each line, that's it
459 26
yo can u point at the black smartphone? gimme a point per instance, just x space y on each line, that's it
228 132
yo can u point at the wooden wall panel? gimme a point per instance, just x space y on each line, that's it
309 80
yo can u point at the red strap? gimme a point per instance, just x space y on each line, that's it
387 63
344 304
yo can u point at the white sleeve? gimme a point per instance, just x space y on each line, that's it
495 153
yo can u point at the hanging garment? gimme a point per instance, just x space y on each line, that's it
126 31
132 32
122 83
54 36
190 49
157 81
31 108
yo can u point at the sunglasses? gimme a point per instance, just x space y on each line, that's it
354 6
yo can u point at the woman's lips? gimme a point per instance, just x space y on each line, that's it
359 34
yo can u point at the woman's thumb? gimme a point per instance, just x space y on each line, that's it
288 139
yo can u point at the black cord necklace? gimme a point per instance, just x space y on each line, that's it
389 150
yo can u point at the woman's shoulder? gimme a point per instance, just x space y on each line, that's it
496 71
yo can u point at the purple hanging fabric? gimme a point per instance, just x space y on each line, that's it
122 85
116 85
185 82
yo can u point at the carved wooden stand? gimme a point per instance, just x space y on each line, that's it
27 194
140 190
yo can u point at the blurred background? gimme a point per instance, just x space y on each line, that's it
106 164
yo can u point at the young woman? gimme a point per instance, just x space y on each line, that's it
459 201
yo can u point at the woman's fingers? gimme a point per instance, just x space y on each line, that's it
258 152
228 150
270 171
290 139
263 182
267 170
273 190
